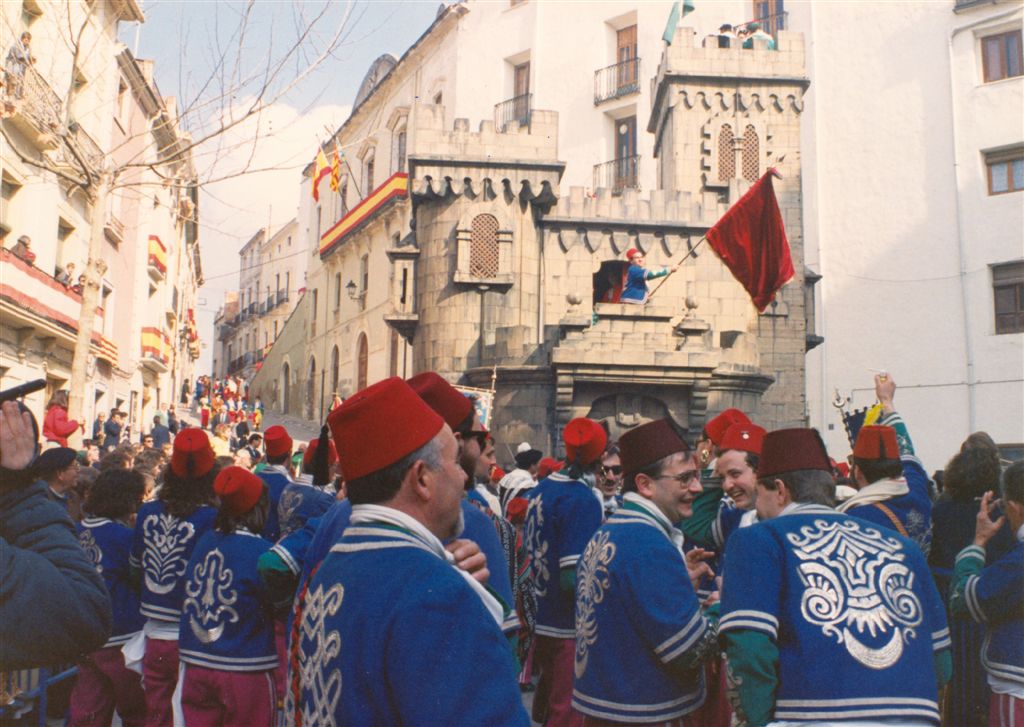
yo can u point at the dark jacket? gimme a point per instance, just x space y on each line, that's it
111 433
53 604
161 435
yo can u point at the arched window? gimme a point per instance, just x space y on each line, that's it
398 152
751 154
368 177
726 154
483 247
362 359
334 370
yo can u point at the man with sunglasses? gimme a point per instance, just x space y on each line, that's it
640 633
609 481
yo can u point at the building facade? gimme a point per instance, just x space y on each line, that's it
467 252
59 118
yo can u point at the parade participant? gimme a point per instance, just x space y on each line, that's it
276 474
546 466
807 586
58 469
304 498
515 486
893 487
104 683
49 588
486 489
640 632
166 532
56 425
422 643
460 415
994 596
204 413
737 463
226 629
635 288
563 515
609 481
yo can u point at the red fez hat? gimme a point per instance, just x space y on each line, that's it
716 428
238 489
787 450
332 452
631 252
876 442
496 474
192 455
379 425
442 397
277 441
546 466
744 437
644 445
584 440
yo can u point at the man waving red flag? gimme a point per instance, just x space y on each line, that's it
751 241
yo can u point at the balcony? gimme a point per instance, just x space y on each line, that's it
618 174
113 228
87 150
516 110
617 80
282 297
269 304
36 111
156 350
157 262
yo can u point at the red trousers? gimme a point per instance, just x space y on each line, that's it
1005 710
677 722
215 698
552 703
105 684
159 679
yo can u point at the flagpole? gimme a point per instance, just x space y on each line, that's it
687 255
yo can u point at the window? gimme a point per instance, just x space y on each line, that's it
751 154
334 370
362 358
1005 171
625 164
626 60
395 348
483 247
122 103
1008 295
398 153
364 280
343 194
368 177
337 291
438 98
318 224
275 330
726 154
1001 56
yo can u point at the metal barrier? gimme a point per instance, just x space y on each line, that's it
23 691
515 110
617 80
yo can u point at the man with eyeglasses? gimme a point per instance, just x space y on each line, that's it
609 481
641 635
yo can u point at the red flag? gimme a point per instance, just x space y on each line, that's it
752 243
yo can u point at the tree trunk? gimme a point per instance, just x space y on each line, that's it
95 267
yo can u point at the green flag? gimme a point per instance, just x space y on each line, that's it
673 20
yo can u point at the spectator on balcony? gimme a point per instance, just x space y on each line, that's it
635 290
23 250
56 425
754 32
19 58
78 287
726 36
65 276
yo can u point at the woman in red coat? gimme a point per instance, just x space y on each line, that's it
56 426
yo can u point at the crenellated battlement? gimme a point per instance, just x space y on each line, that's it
692 56
630 208
536 141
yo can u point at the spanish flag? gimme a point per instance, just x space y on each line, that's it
335 170
321 170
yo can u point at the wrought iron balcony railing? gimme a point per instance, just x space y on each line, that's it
618 174
617 80
515 110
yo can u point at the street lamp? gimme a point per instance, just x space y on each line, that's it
352 290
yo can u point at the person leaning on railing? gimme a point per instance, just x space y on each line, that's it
53 604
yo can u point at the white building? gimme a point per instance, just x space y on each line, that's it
913 156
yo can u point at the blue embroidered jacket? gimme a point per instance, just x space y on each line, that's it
277 480
298 503
226 621
109 545
994 596
829 589
161 547
562 517
391 634
637 619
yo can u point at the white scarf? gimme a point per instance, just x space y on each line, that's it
388 515
674 534
877 492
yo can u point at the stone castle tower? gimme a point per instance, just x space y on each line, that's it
505 265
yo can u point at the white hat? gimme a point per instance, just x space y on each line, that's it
524 447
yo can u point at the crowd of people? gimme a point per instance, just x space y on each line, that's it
392 573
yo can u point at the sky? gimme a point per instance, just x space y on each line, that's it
198 49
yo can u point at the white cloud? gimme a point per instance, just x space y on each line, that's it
282 139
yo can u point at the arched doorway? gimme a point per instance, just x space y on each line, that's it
362 358
310 387
286 375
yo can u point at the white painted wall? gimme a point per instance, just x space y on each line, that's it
887 209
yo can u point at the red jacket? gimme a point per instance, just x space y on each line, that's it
56 426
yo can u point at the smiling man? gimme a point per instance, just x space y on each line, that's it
640 633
